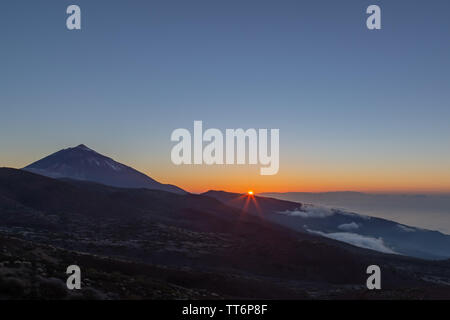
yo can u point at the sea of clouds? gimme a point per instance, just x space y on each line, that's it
357 240
348 234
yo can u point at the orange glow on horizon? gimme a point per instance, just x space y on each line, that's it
395 177
237 179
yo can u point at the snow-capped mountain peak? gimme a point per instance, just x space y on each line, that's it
83 163
83 147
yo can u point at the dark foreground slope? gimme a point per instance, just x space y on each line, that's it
34 271
205 245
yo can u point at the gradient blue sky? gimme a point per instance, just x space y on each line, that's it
357 109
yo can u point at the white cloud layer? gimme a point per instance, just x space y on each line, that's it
314 211
405 228
358 240
348 226
309 212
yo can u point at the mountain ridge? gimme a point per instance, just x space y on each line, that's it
425 210
364 231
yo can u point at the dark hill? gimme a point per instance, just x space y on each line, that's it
192 232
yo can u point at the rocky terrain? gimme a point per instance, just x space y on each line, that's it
149 244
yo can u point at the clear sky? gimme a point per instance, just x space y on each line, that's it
357 109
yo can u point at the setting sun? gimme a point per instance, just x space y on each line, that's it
250 193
